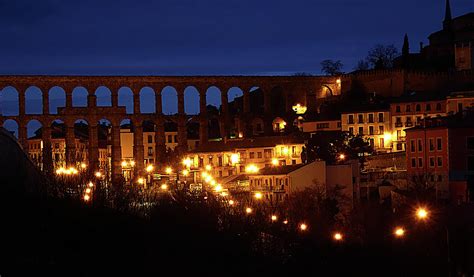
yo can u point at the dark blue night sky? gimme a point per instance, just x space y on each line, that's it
207 37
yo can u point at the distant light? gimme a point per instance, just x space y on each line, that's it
98 174
342 157
274 218
248 210
187 162
91 184
141 181
88 190
258 195
83 165
275 162
168 170
387 137
87 197
208 167
149 168
124 164
231 202
299 109
241 135
251 168
285 151
399 232
218 188
234 158
303 227
338 236
421 213
185 172
338 81
285 222
204 174
132 163
164 187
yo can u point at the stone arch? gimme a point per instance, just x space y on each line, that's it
33 100
57 99
125 98
79 97
277 100
104 96
81 131
256 100
58 143
10 101
213 97
191 100
169 96
34 128
147 100
11 125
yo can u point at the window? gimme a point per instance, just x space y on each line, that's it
219 160
413 162
322 125
432 145
339 124
259 155
371 118
439 145
418 108
428 107
438 106
150 139
351 130
176 138
470 163
380 117
381 130
361 130
371 130
351 119
382 142
397 109
210 160
470 143
412 145
408 108
432 161
267 153
252 155
150 151
399 146
460 108
420 145
293 161
360 118
440 161
420 162
398 122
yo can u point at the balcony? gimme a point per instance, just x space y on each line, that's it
398 124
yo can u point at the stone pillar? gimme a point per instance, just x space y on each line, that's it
68 98
21 102
116 153
267 102
160 145
45 101
70 145
182 133
22 136
47 151
114 97
91 100
138 154
224 118
93 148
136 102
203 121
246 107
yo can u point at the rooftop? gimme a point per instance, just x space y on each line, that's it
279 170
257 142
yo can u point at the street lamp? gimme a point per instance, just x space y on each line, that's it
275 162
338 237
399 232
274 218
149 168
303 227
168 170
422 213
248 210
258 195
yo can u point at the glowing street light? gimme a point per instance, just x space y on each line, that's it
168 170
338 237
275 162
234 159
91 184
98 174
185 172
187 162
421 213
285 222
218 188
141 181
149 168
208 167
251 168
88 190
164 187
303 227
285 151
231 202
132 163
87 197
258 195
274 218
248 210
124 164
399 232
83 165
342 157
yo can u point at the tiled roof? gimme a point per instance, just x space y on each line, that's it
230 145
279 170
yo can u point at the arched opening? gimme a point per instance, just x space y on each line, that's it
79 97
57 99
298 123
104 96
35 142
126 146
169 97
235 106
213 97
58 143
125 98
11 126
149 141
191 101
147 100
279 125
171 138
33 100
81 130
277 100
10 102
192 128
257 126
256 100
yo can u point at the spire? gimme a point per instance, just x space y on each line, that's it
406 46
447 15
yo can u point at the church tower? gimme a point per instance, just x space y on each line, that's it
447 16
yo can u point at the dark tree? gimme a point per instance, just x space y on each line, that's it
362 65
331 67
382 56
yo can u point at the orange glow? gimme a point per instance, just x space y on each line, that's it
248 210
422 213
303 227
274 218
399 232
338 236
